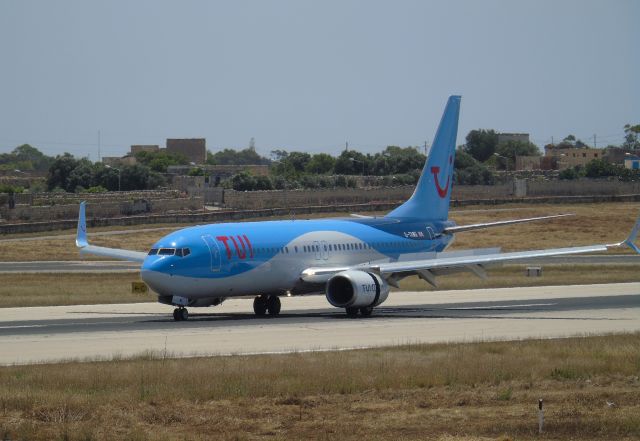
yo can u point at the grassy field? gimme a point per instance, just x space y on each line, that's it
593 223
467 391
78 289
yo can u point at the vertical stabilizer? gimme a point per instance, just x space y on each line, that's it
430 199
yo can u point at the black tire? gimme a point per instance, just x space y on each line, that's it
366 311
273 305
183 314
260 306
176 317
352 312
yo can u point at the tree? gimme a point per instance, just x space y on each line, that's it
60 171
321 163
598 168
394 160
243 181
247 156
511 149
81 177
160 161
464 160
298 161
481 144
632 137
350 162
134 177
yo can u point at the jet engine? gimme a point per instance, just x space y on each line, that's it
356 289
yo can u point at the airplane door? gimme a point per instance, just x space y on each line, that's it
430 233
214 252
325 250
318 249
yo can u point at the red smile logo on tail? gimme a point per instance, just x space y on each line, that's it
442 192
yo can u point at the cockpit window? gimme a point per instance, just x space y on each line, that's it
183 252
153 251
166 251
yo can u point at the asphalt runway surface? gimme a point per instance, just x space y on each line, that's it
48 334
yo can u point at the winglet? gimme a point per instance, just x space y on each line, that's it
629 241
81 235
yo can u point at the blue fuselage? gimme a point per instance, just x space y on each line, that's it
250 258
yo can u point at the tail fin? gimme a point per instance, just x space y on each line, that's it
430 199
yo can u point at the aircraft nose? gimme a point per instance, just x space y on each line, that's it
152 273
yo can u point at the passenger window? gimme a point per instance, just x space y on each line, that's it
166 251
153 251
186 252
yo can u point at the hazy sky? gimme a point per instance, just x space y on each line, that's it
310 75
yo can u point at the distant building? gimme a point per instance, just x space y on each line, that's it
632 162
111 160
144 148
518 137
567 156
195 149
617 155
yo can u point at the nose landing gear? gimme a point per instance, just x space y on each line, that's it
180 314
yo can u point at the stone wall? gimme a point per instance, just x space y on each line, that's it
581 187
97 208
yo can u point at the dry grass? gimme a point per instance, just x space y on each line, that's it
68 289
444 392
593 223
85 289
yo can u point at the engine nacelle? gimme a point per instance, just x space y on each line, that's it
356 289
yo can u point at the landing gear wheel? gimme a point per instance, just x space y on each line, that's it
352 312
180 314
273 305
260 306
366 311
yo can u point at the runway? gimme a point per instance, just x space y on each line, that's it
47 334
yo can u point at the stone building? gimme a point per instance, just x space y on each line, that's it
195 149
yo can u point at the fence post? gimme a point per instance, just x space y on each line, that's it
540 416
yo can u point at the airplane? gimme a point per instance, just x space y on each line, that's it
352 261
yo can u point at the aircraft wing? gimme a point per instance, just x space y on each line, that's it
428 268
115 253
461 228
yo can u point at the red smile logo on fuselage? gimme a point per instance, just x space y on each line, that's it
442 192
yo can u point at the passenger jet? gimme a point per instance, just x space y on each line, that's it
352 261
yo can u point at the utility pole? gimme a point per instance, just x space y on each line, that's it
346 146
426 148
594 141
99 145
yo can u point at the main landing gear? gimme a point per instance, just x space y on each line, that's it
263 304
180 314
365 312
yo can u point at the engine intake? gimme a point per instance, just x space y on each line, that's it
356 289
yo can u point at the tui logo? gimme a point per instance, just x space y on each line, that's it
442 192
